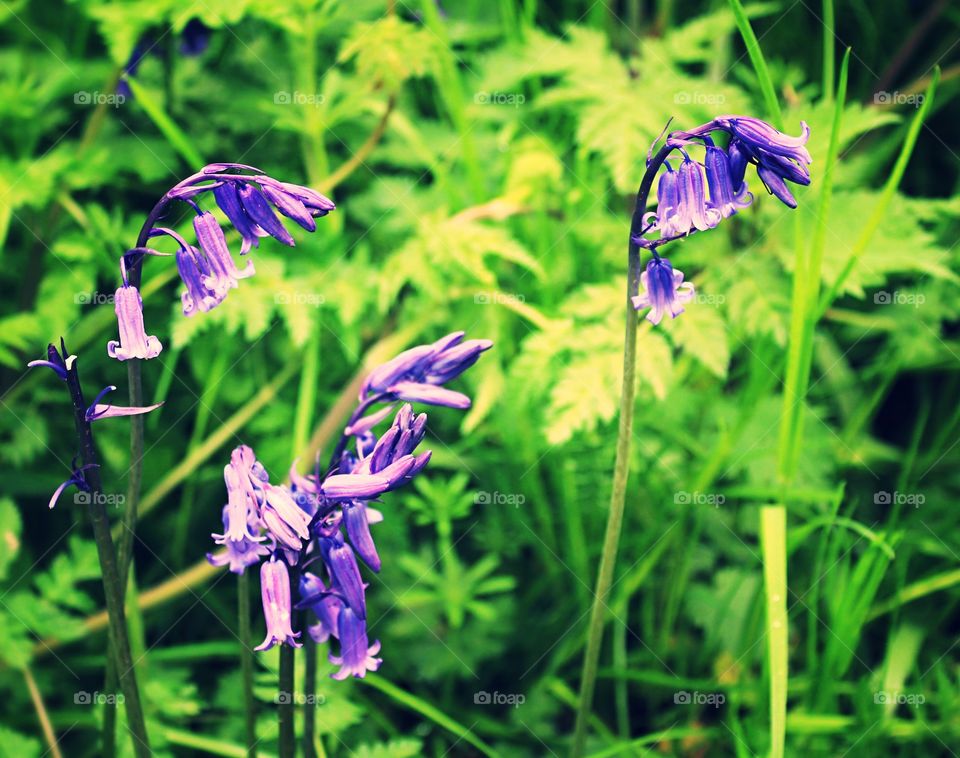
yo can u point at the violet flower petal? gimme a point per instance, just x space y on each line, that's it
134 341
259 210
355 520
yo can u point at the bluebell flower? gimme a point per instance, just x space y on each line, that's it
668 219
416 374
134 341
663 290
324 603
239 553
324 517
725 195
693 211
259 211
358 530
213 244
204 291
228 200
246 482
777 156
357 656
275 593
250 200
345 579
285 520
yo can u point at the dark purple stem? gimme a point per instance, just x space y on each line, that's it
113 586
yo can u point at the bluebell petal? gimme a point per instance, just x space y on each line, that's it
355 520
259 210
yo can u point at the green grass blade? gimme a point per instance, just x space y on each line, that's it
829 41
431 712
759 63
886 196
773 531
168 128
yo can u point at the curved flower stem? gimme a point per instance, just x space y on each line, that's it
618 493
246 663
112 584
128 526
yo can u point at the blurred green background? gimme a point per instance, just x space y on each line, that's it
483 156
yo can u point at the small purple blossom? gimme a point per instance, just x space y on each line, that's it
285 520
357 657
275 592
204 290
693 211
663 290
415 374
214 246
725 196
134 340
258 209
239 554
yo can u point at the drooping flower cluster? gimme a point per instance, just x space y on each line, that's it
684 206
324 518
251 202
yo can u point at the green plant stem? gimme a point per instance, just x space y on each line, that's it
128 525
828 45
611 540
309 690
246 663
285 686
112 582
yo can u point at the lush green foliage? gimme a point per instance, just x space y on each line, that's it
483 159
